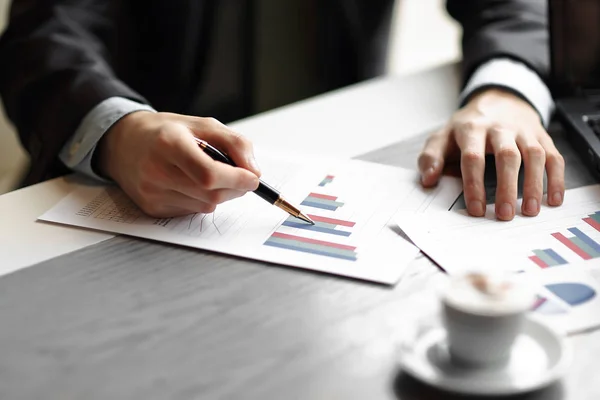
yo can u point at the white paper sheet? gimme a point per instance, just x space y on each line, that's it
25 241
568 297
357 235
560 245
457 241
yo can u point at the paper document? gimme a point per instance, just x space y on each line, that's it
352 202
553 248
569 297
557 236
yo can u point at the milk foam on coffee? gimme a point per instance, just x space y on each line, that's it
488 293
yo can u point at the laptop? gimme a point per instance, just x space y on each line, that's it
575 74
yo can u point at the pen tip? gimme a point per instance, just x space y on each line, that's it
305 218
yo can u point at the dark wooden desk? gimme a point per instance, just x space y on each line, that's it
132 319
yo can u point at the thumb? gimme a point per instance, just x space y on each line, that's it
431 159
236 146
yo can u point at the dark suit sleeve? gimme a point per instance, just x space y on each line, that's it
54 68
516 29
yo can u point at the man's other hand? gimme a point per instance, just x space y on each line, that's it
500 123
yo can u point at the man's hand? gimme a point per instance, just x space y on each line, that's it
155 160
500 123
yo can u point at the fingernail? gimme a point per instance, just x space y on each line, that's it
531 206
429 173
505 211
477 208
429 170
433 168
557 198
425 177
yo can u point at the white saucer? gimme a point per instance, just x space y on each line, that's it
539 357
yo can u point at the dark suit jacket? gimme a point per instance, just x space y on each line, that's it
60 58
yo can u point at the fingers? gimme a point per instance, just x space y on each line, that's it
555 171
205 172
471 139
499 122
534 159
431 159
168 203
175 194
234 144
508 163
164 211
181 201
212 197
176 180
163 170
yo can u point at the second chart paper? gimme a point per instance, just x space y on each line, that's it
558 236
558 251
352 202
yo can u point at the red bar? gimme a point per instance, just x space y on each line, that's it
322 196
538 302
332 220
329 177
564 240
313 241
538 261
592 223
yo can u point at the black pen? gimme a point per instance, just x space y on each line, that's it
264 191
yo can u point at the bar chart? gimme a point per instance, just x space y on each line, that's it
313 246
328 179
547 258
576 242
353 209
330 236
567 297
593 220
331 226
570 294
322 201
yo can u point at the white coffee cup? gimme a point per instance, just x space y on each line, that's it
483 313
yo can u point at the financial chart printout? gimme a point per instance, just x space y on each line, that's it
353 204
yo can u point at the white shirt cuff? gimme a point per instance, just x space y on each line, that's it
77 153
517 77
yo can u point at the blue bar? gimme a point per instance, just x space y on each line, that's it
319 205
315 228
585 239
572 293
555 256
312 251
